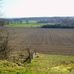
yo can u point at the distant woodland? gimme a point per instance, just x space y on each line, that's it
49 22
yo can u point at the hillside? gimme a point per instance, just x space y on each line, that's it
48 22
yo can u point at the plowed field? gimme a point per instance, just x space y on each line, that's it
52 41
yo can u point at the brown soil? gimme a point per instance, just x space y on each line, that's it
52 41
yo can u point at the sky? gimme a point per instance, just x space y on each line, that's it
36 8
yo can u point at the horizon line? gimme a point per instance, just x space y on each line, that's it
33 17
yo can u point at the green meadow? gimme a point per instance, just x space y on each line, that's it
41 64
25 25
29 25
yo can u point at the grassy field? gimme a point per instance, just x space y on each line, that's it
29 25
25 25
41 64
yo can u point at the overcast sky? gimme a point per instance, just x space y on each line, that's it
37 8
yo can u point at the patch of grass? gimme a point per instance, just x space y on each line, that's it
9 67
52 64
41 64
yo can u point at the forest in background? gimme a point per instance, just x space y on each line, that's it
42 22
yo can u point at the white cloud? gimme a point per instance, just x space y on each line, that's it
35 8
